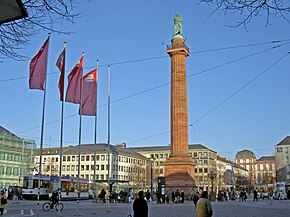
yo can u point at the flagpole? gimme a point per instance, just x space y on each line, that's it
61 138
79 146
109 129
95 137
41 136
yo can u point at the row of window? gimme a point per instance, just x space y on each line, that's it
191 154
101 167
9 171
91 158
11 157
105 177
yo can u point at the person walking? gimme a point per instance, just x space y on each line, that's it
203 206
140 206
271 197
2 205
255 195
173 196
182 196
196 198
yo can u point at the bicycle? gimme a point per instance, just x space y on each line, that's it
47 206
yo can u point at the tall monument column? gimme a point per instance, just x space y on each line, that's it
179 168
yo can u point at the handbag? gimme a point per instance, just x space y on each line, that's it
3 201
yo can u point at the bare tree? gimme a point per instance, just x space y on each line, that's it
47 15
250 9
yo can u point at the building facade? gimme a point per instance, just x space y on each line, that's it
282 155
261 172
16 158
204 158
126 166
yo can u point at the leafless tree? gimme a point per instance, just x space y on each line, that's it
47 15
250 9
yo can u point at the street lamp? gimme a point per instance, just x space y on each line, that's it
211 176
151 175
11 10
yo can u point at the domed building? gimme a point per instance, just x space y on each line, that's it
247 160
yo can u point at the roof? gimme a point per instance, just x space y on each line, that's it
90 149
230 162
285 141
165 148
267 158
6 132
245 154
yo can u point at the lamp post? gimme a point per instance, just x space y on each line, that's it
212 176
151 175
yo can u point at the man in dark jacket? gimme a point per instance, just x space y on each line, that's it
140 206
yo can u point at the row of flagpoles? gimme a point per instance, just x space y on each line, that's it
81 90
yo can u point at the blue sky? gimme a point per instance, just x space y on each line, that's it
256 118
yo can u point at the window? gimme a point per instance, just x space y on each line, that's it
87 167
73 158
1 170
92 157
63 167
194 154
88 158
68 168
97 157
73 168
205 170
102 157
82 158
15 171
205 162
200 170
102 167
82 167
205 154
8 170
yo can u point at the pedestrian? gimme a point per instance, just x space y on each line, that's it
148 196
255 195
182 196
196 198
173 196
140 206
203 206
2 202
271 197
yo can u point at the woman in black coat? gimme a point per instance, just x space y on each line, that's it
140 206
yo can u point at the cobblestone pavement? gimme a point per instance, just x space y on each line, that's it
89 209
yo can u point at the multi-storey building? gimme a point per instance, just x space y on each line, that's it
266 170
204 158
16 156
282 156
247 160
230 175
126 166
261 171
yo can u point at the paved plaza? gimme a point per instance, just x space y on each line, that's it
89 209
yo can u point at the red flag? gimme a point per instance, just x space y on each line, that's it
88 106
38 67
73 92
60 63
